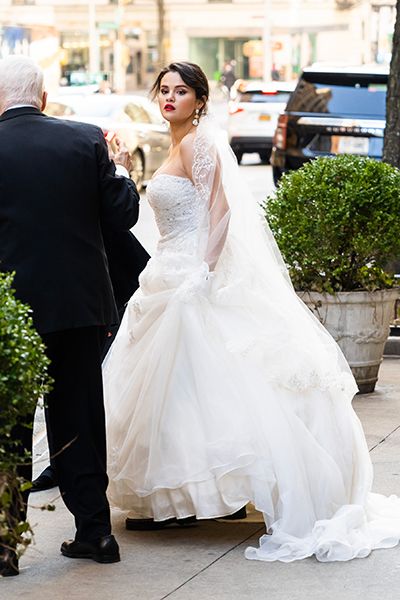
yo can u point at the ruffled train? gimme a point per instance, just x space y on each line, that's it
212 400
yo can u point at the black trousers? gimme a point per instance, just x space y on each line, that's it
77 422
75 414
108 339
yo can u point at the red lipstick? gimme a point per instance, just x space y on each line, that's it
169 107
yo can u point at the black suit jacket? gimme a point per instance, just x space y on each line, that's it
126 260
57 190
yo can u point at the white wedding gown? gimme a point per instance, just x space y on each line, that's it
216 396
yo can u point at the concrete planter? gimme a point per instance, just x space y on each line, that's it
359 322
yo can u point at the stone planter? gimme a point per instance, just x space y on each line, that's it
359 322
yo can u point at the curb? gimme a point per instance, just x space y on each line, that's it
392 347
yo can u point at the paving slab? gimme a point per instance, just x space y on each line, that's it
380 411
374 578
206 562
153 563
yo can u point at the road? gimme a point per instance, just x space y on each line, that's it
258 177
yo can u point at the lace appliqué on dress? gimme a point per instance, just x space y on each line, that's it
203 165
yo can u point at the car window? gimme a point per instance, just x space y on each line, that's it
57 109
137 113
264 97
361 98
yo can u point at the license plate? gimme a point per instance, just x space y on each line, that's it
342 144
264 117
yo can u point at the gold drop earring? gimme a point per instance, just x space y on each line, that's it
195 121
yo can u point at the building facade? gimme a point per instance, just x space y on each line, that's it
79 40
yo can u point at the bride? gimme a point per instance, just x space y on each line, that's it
221 387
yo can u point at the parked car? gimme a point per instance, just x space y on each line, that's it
134 119
253 114
331 111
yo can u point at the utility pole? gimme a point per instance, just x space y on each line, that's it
161 34
296 37
119 69
267 40
94 56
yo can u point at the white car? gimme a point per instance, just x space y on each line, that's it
134 119
254 109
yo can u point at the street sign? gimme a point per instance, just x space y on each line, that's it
107 25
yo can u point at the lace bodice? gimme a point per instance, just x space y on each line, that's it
182 223
177 212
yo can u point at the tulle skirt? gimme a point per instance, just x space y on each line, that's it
214 399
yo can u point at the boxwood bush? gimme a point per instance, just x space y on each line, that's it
23 380
337 223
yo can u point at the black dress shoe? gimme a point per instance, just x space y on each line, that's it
239 514
8 563
46 480
104 550
152 525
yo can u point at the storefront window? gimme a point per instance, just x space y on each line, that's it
213 53
14 40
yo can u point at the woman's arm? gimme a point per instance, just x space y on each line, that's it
218 208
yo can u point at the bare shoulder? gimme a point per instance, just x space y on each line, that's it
187 143
186 151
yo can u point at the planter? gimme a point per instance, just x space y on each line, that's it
359 322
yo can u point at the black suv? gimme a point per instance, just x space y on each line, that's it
331 112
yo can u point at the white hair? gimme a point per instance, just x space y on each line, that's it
21 82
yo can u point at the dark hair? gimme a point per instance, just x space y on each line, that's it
190 73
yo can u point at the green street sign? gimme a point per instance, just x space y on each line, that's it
107 25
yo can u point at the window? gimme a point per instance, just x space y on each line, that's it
336 94
263 97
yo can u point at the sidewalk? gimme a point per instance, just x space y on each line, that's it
206 562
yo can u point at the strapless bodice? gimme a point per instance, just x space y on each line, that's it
177 213
182 223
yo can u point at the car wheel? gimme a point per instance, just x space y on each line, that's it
239 155
265 155
137 171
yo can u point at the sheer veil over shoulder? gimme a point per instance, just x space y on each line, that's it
222 388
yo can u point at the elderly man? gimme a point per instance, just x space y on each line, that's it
58 189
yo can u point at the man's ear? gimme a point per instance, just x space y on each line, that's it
44 101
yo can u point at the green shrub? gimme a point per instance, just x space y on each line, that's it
23 380
337 223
